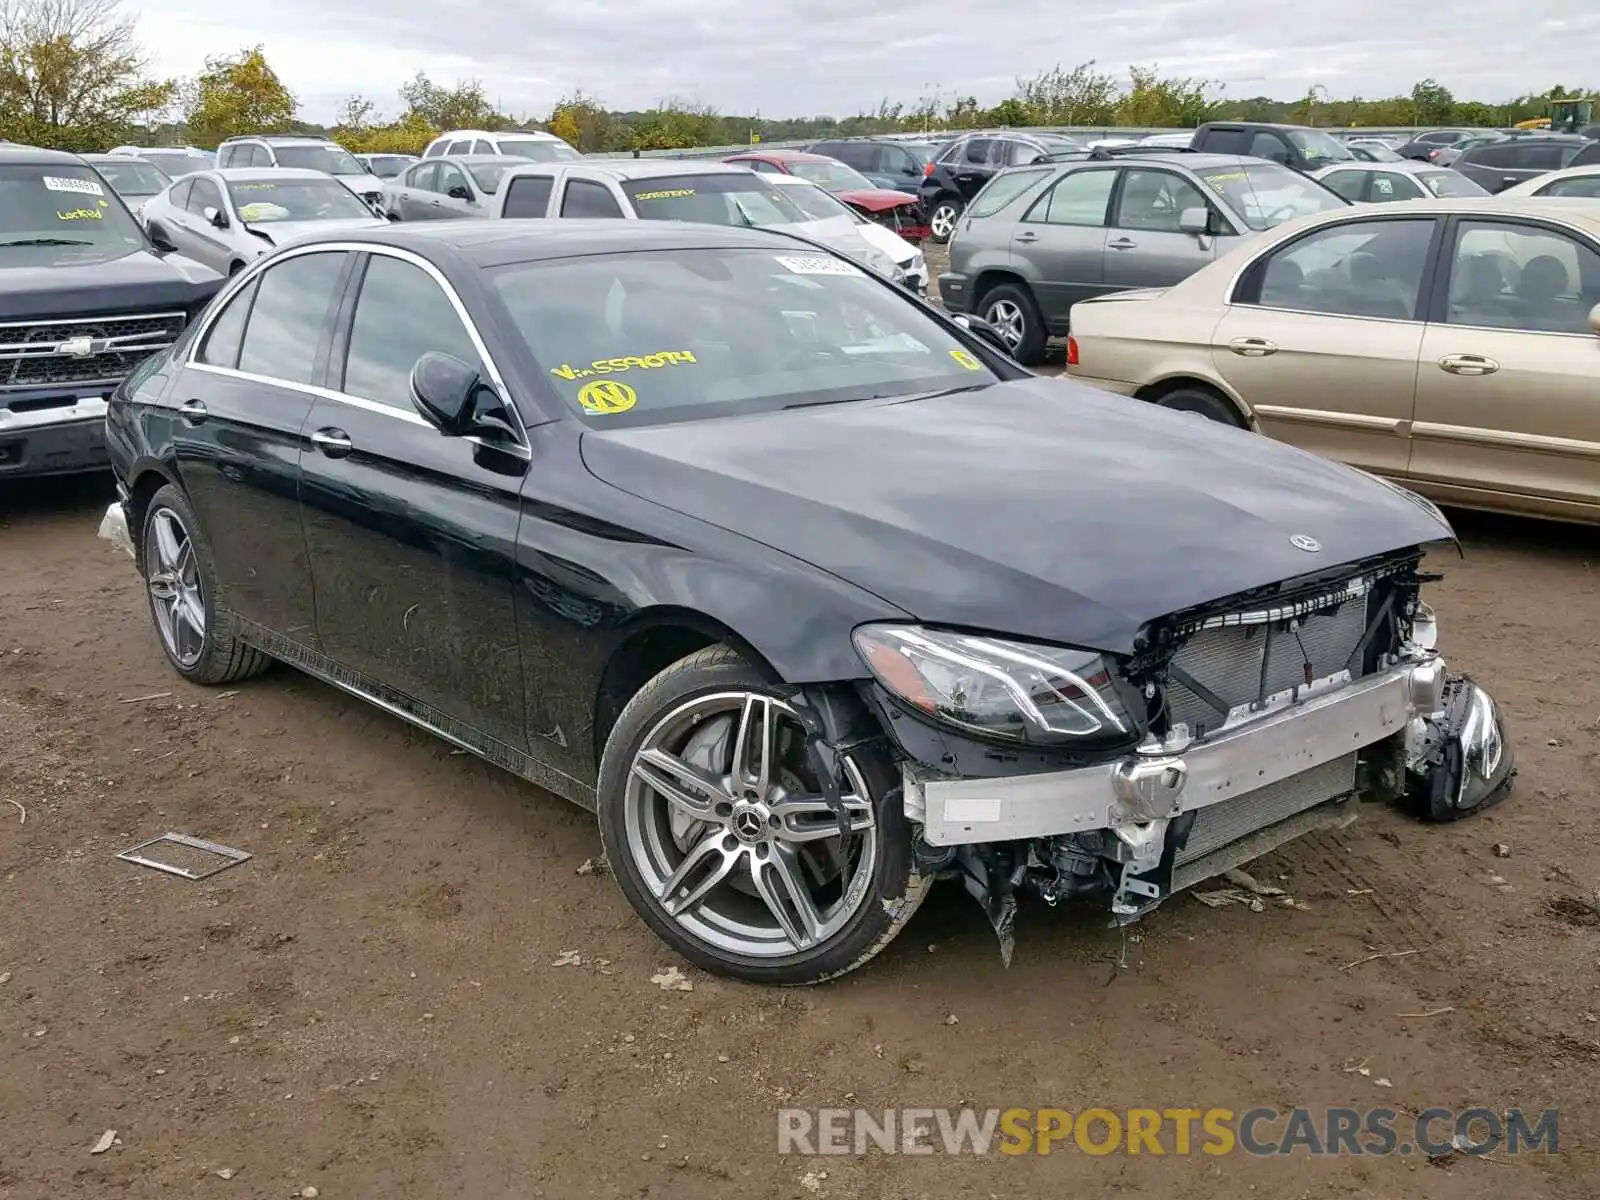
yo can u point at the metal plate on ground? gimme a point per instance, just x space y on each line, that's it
187 857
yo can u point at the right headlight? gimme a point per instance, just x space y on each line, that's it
1050 696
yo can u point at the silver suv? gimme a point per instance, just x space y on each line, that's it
304 153
1038 239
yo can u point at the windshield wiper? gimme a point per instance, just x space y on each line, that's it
896 396
743 215
46 241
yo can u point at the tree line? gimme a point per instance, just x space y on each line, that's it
73 77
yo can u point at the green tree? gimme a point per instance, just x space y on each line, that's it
1432 103
237 95
1081 96
1154 102
72 76
464 106
582 122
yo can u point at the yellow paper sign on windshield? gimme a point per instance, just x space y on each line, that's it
607 396
966 360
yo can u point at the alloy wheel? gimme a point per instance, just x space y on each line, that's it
1009 321
943 221
176 598
731 835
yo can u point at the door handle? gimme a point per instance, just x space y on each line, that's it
1468 364
1122 244
1027 237
335 443
1252 347
193 411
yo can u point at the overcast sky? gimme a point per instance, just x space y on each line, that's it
802 57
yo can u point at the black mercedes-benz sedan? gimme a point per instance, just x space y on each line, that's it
809 591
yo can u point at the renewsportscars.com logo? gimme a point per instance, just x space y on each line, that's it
1434 1132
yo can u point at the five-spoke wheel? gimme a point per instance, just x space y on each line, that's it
723 836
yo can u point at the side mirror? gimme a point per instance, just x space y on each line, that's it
1594 318
216 217
459 192
980 328
1195 220
162 242
454 398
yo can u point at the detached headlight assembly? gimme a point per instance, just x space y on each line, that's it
1020 692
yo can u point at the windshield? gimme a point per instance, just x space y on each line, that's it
1318 147
130 177
61 205
675 335
834 176
330 160
487 175
924 152
1265 194
387 166
732 199
260 202
1446 184
1058 143
818 204
174 163
538 150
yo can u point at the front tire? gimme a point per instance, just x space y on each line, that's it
717 832
942 220
181 583
1011 310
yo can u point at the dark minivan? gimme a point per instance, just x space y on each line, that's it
894 163
1298 147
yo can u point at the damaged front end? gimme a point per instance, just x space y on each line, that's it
1231 730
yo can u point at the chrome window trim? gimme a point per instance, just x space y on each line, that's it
242 279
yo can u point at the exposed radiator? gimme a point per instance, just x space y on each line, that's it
1227 661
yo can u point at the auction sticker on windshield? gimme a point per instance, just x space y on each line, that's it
609 366
606 396
80 214
669 194
86 187
966 360
816 264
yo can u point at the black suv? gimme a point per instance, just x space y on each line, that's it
84 297
969 162
1298 147
895 163
1499 165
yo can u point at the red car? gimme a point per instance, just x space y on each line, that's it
899 211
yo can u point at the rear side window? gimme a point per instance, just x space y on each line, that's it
178 197
434 151
1587 186
1500 154
979 152
1352 185
422 177
482 147
290 315
529 196
221 348
1226 141
1003 189
1080 198
584 198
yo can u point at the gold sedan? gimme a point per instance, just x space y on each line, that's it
1449 345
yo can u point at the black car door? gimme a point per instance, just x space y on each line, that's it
242 403
980 159
412 534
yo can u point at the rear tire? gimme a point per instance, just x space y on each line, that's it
942 218
1011 310
1202 403
712 848
196 635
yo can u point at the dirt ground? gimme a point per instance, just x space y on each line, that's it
369 1006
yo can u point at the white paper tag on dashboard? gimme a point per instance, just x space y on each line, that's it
816 264
86 187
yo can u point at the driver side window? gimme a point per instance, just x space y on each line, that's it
203 195
401 314
1352 185
450 178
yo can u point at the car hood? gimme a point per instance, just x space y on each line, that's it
51 282
280 233
1038 508
890 242
875 199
